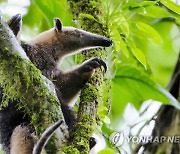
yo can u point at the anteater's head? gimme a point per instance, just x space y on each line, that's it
68 40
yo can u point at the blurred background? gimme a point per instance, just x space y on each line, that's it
146 36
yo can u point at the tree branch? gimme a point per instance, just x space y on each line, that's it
22 81
90 95
167 122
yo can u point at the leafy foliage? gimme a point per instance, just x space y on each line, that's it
146 44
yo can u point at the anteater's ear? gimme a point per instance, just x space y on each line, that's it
57 24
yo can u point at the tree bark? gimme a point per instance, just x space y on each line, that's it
22 81
90 95
167 123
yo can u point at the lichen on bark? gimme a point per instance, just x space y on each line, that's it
90 96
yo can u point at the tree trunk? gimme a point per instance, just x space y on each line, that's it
22 81
167 123
90 96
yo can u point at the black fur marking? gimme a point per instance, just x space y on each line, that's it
45 56
10 117
69 116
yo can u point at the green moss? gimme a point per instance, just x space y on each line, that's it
70 150
79 140
22 81
90 94
50 148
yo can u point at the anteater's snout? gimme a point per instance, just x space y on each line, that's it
97 40
107 42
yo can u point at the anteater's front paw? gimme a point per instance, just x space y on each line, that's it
92 64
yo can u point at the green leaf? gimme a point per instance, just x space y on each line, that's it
1 152
134 86
3 1
52 9
171 5
124 48
33 11
152 11
133 4
107 151
102 112
147 3
124 25
106 120
116 39
149 31
119 43
89 16
139 56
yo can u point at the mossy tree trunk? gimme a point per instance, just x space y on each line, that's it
32 90
90 94
22 81
167 122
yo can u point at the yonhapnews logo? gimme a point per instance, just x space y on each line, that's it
118 138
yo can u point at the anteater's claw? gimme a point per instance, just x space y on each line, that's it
101 63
